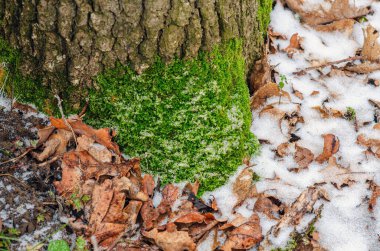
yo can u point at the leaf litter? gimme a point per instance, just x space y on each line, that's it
317 169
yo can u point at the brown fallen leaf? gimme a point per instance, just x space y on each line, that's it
303 204
192 188
100 202
265 92
99 152
131 212
170 194
328 112
345 26
273 111
242 186
71 174
193 217
314 93
283 149
337 175
376 126
43 134
375 194
372 144
236 222
330 147
102 136
371 48
261 74
268 205
340 9
245 236
148 185
363 68
149 215
171 241
303 157
298 94
106 233
294 45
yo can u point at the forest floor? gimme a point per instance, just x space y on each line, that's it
314 185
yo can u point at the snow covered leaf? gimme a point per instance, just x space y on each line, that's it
371 47
375 194
372 144
294 45
172 240
363 68
261 74
242 186
245 236
302 205
303 156
345 26
170 194
102 136
337 175
265 92
340 9
330 147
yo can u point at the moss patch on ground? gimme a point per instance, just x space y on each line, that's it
188 120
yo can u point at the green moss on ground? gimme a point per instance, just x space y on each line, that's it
188 120
28 90
263 15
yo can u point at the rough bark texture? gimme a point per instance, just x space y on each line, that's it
74 40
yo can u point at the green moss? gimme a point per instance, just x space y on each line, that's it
263 15
188 120
28 90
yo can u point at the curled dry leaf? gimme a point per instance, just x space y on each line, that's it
328 112
171 241
245 236
330 147
283 149
55 145
44 134
268 205
102 136
243 185
371 48
303 156
375 194
340 9
294 45
265 92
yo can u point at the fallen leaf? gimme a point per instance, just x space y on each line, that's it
193 217
245 236
192 188
372 144
273 111
330 147
199 204
363 68
99 152
106 233
303 156
371 48
102 136
294 45
236 222
345 26
376 126
267 206
340 9
44 134
265 92
170 194
243 185
375 194
148 184
337 175
171 241
298 94
283 149
328 112
314 93
100 202
71 174
149 215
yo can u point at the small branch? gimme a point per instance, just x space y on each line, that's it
17 158
64 118
301 72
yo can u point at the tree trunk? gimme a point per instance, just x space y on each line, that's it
74 40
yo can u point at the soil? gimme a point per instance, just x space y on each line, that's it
27 200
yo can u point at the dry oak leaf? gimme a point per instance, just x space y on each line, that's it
339 176
294 45
371 48
265 92
283 149
148 184
345 26
71 174
106 233
340 9
375 194
243 186
261 73
303 156
149 215
267 206
100 202
171 241
245 236
328 112
55 145
44 134
102 136
330 147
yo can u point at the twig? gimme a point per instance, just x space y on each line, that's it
84 109
13 177
94 243
301 72
17 158
64 118
49 161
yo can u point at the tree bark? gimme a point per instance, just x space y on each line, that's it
74 40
